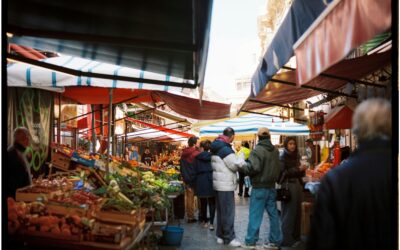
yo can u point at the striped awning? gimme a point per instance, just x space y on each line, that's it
249 124
26 75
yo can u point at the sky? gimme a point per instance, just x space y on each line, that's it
233 42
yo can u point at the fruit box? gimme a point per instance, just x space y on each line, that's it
57 208
130 218
60 161
77 237
23 195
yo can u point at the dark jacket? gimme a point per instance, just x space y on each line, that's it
19 174
290 163
203 175
263 165
186 165
354 208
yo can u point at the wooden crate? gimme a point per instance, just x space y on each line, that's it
61 161
78 237
59 209
21 195
117 217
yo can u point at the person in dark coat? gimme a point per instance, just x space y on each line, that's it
19 174
354 208
204 183
292 172
187 171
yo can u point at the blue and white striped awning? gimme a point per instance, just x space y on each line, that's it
249 124
25 75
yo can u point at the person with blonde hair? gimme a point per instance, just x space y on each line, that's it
354 205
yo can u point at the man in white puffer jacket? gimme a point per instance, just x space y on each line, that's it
225 164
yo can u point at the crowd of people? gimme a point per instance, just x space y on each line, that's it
211 171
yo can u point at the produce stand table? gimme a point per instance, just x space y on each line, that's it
45 242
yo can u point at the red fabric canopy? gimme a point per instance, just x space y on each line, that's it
188 107
339 118
344 25
160 128
357 68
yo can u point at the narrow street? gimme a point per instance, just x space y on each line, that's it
196 237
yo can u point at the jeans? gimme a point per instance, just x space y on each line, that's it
226 216
210 201
241 184
260 199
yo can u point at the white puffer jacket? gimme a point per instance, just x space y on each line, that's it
224 171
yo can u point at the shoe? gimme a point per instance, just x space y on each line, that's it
297 244
249 246
270 246
211 227
235 243
240 195
246 195
205 225
191 220
220 241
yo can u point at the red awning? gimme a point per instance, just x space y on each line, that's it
188 107
343 26
160 128
339 118
279 93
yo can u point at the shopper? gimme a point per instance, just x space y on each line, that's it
313 152
134 155
188 174
127 152
264 168
354 208
225 166
245 151
19 174
147 157
204 185
292 173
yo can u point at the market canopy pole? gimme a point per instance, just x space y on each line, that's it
93 131
109 128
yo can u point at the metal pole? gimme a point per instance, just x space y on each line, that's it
59 120
93 131
101 120
109 127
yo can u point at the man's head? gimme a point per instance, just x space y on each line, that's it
147 150
263 133
230 133
205 145
373 119
246 145
133 148
21 136
309 142
192 141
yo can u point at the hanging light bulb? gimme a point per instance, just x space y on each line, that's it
307 112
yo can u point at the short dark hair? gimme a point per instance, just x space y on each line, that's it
263 137
246 144
229 132
206 145
192 141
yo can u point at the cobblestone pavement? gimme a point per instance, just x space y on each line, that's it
196 237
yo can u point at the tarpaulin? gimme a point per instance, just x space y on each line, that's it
339 118
356 68
186 106
343 26
160 128
166 37
300 16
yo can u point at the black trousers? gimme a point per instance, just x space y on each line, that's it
241 184
204 203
